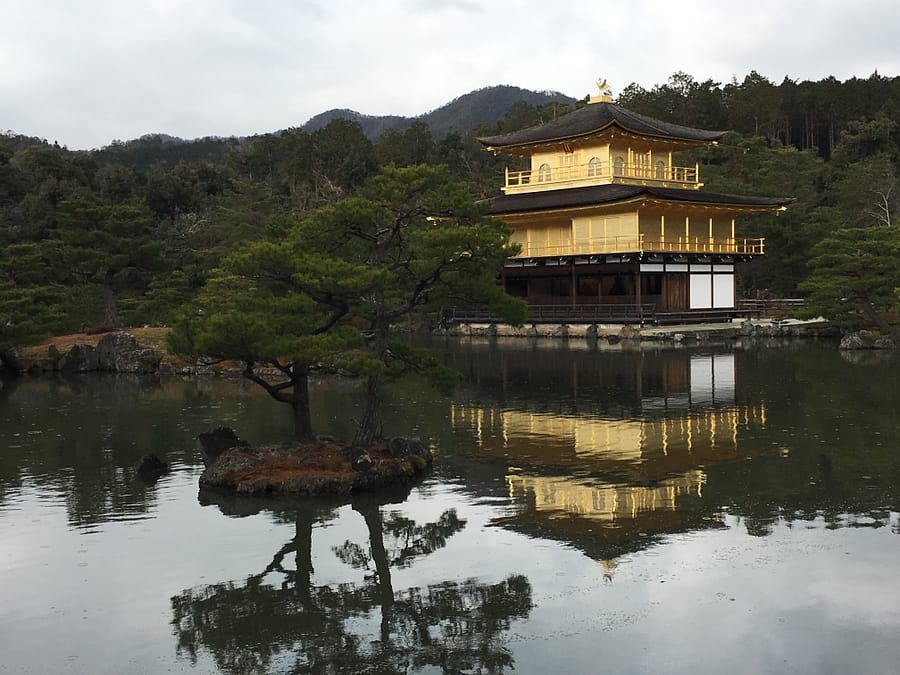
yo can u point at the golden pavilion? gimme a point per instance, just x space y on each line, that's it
607 217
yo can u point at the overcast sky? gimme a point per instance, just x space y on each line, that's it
86 72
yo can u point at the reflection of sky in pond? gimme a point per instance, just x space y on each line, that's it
705 512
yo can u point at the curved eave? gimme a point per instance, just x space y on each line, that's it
526 148
619 195
596 119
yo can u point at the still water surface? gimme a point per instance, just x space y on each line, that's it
631 511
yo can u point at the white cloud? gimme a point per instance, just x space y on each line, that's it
85 73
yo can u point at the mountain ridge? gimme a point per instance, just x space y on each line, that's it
462 114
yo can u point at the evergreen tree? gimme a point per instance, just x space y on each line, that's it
855 277
418 240
328 293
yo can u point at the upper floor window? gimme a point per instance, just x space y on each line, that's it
619 166
594 167
660 170
544 173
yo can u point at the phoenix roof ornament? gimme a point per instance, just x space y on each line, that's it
605 93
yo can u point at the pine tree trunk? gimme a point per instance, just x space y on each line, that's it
368 425
111 312
303 431
370 422
874 315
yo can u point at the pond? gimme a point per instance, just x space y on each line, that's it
634 510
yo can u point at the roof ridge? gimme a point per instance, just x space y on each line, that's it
594 118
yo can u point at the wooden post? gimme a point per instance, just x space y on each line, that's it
574 290
637 289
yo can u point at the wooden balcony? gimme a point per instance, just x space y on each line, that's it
581 175
640 244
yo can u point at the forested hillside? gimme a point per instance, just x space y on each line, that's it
461 115
129 233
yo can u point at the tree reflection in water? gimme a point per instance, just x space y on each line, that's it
302 627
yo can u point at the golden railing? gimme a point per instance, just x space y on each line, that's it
640 244
589 173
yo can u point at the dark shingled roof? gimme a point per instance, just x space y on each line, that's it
608 194
596 117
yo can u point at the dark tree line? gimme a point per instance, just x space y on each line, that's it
806 115
128 233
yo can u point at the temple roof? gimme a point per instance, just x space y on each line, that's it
598 195
595 118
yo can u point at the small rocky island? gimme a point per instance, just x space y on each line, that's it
324 467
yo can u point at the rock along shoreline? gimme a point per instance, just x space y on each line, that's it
323 467
122 352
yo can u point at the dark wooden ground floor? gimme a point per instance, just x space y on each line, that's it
658 287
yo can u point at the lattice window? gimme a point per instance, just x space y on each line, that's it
567 166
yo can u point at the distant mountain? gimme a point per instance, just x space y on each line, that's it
462 114
485 106
372 125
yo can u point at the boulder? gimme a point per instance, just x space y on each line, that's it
80 359
629 333
864 339
120 352
234 461
49 364
217 441
10 361
885 342
359 459
403 447
151 467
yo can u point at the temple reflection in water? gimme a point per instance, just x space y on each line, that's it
580 464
